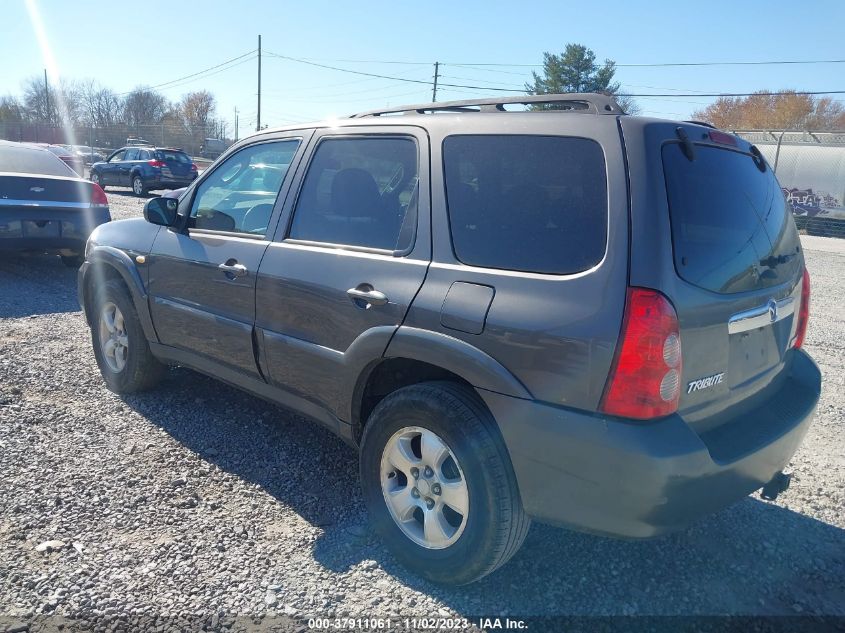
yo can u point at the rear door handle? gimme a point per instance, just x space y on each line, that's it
233 269
368 295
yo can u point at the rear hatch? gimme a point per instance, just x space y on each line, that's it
734 272
177 164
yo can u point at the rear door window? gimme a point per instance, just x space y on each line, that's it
360 191
526 203
131 154
732 230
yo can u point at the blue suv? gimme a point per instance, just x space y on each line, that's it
145 169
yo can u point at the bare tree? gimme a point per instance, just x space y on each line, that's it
10 109
197 109
143 106
99 106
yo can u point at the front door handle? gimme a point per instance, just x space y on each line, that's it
365 296
233 269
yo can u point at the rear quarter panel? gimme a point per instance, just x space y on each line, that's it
556 334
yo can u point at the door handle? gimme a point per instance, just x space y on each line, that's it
366 294
233 269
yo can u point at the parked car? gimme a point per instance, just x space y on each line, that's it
145 169
68 158
574 316
44 205
88 154
133 141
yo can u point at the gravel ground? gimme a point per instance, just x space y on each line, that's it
198 499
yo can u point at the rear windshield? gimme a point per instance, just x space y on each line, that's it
170 156
526 203
732 230
29 160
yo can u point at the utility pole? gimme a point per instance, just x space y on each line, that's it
236 124
46 97
436 77
258 117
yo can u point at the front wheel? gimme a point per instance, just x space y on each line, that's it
138 186
120 346
439 485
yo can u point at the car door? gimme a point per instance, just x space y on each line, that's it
202 281
108 171
124 167
348 257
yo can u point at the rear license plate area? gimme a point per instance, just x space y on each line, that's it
40 228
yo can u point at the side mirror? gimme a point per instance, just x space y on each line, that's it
161 211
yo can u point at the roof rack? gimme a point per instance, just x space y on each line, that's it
587 103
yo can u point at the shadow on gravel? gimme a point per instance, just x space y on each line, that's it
126 192
35 284
753 558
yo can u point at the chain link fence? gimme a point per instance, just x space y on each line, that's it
104 139
811 169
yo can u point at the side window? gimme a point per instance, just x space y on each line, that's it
131 154
526 203
117 156
239 195
143 155
360 191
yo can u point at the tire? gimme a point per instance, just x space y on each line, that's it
139 369
138 187
95 178
494 525
72 261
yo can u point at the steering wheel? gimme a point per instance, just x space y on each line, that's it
257 218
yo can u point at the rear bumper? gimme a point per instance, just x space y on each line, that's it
636 480
49 229
168 183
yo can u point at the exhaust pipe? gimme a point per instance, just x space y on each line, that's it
778 484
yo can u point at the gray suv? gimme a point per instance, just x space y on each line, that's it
569 314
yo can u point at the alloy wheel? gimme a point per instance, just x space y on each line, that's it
114 342
424 487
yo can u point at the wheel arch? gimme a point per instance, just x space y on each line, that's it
105 263
416 356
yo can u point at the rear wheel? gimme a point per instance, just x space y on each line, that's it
439 485
95 178
120 346
138 186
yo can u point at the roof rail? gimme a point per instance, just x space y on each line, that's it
587 103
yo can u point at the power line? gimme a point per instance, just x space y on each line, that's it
200 72
522 90
668 64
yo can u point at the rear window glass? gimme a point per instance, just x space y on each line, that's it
526 203
169 156
732 230
26 160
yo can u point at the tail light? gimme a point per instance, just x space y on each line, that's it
645 380
803 311
98 196
193 167
156 163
